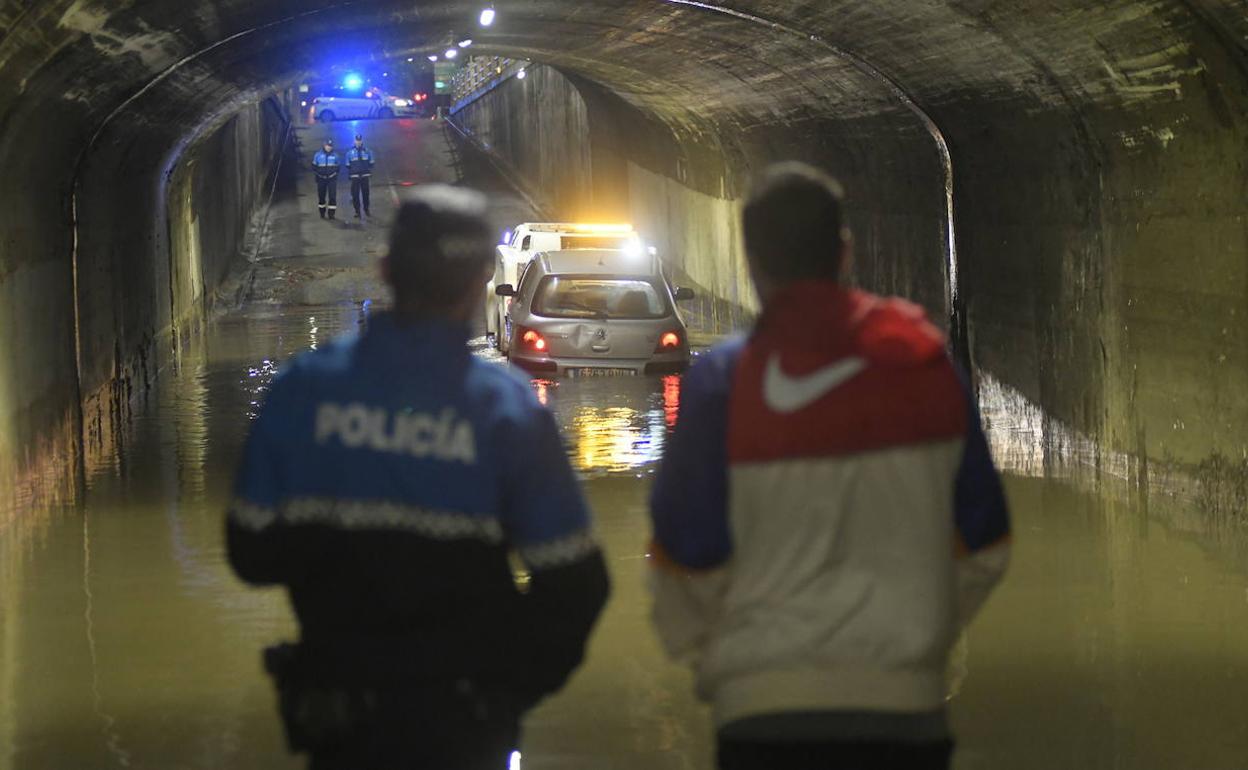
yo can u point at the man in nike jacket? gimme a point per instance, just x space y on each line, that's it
827 516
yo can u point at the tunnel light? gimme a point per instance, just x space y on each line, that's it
303 103
487 17
385 74
451 53
464 43
411 59
432 57
520 75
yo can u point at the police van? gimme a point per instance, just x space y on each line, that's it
529 238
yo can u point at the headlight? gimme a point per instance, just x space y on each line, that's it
401 102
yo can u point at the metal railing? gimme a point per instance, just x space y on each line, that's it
479 72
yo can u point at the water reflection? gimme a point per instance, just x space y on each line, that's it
1114 642
1120 638
613 425
125 641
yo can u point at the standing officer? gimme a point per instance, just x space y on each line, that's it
385 484
827 515
326 164
360 166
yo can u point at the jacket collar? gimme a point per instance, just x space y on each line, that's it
824 315
433 335
803 304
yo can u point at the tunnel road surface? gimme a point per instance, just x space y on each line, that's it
125 641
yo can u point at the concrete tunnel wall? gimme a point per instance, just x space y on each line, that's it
150 276
1101 260
166 227
584 154
1098 160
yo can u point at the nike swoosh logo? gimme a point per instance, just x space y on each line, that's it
785 394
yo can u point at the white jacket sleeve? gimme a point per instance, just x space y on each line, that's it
686 607
978 574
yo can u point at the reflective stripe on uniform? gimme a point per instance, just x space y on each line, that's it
559 553
370 515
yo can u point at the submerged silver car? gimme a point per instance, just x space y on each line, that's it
587 312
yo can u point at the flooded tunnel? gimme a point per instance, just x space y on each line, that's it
1062 186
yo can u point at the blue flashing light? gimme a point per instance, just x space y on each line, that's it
353 82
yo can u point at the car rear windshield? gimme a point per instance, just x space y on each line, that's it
569 296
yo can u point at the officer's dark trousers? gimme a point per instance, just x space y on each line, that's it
359 194
833 755
408 733
327 195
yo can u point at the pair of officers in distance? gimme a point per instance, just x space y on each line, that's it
328 163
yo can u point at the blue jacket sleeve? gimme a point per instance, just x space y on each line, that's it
980 510
546 521
259 544
689 502
543 513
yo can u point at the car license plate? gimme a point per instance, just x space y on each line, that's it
601 372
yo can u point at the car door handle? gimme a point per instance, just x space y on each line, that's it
600 348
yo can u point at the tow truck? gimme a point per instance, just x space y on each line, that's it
525 240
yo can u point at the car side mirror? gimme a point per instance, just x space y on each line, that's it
684 294
506 290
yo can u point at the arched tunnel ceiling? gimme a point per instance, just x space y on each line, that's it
684 61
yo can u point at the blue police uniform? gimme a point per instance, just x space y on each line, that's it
327 165
360 162
388 496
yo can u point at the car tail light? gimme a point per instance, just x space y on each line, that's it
669 342
532 340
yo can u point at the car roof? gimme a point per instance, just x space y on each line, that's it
575 228
598 262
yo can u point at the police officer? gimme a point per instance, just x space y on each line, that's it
360 166
326 164
387 483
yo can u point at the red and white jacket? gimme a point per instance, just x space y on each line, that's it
827 515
